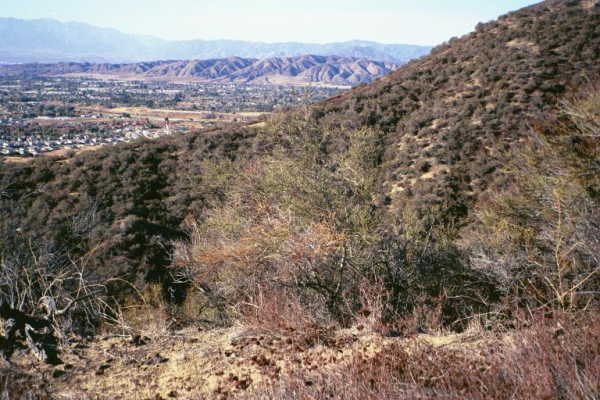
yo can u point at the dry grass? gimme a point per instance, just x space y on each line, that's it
545 361
554 356
18 385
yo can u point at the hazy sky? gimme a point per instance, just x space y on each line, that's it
390 21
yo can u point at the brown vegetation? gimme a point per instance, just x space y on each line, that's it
452 118
288 231
543 361
541 238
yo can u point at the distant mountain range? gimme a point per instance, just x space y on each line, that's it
280 70
45 40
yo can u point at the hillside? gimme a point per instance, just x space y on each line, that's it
447 123
291 70
442 219
452 118
48 41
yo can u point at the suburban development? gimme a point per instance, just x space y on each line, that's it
46 114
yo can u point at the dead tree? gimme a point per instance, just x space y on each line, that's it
39 334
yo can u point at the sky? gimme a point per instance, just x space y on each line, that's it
425 22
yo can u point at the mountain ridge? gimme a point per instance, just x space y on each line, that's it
47 40
306 69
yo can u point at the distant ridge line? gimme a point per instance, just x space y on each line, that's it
306 69
47 40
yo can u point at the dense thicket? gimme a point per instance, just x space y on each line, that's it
446 125
118 207
302 223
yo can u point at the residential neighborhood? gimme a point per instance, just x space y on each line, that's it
35 145
45 114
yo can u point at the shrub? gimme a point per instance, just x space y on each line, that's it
305 222
540 239
32 269
286 218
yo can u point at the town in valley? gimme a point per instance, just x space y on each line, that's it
51 115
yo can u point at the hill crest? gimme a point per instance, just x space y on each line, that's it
452 118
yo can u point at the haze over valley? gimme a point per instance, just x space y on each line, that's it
45 40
